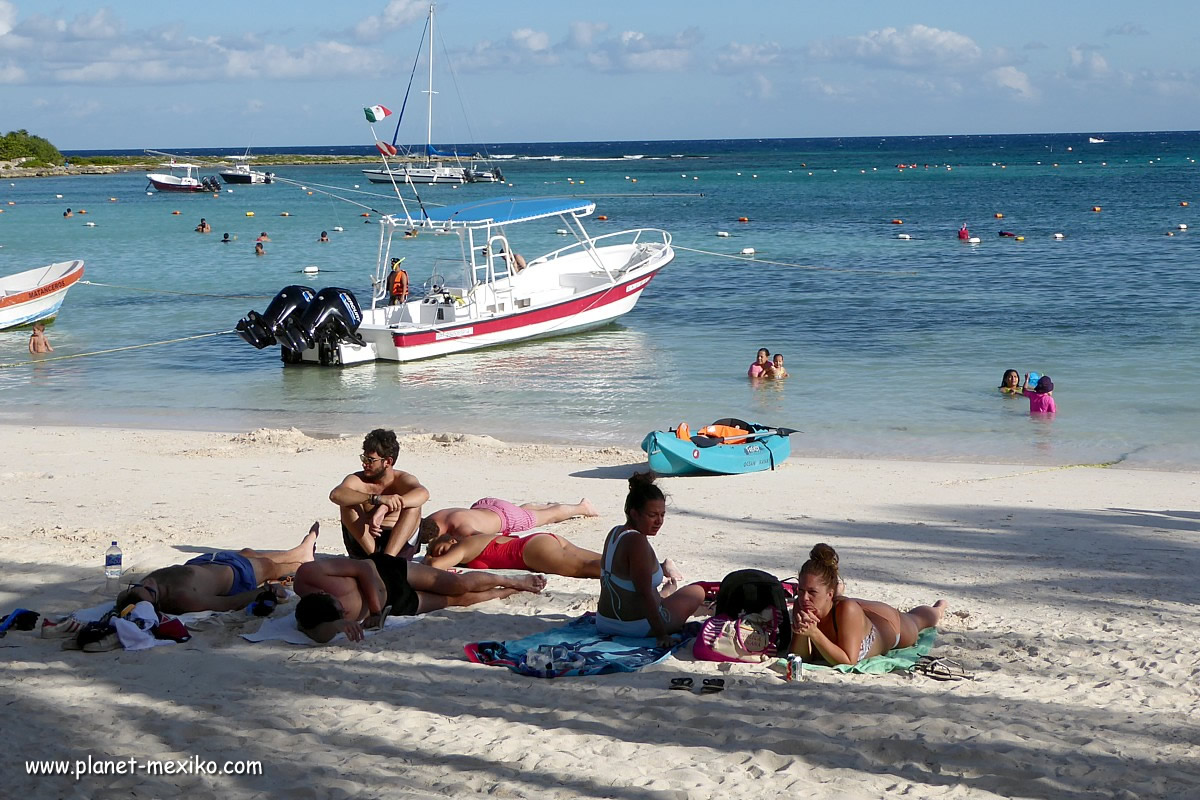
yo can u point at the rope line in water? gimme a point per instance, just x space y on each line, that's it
188 294
114 349
797 266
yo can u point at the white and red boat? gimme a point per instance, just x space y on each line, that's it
183 178
36 294
491 302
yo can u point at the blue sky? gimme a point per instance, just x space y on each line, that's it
232 74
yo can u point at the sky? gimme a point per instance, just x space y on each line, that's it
146 73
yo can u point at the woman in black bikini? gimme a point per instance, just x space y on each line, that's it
843 630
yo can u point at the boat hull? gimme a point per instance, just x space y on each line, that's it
418 175
37 294
175 186
667 454
242 178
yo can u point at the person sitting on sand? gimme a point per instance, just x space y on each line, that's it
1041 399
259 250
222 581
631 603
380 505
324 237
1011 382
777 363
203 227
828 626
38 343
762 366
491 515
344 595
537 552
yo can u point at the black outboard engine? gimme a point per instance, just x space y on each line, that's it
497 174
333 316
262 330
211 183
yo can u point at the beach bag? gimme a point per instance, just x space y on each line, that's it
748 638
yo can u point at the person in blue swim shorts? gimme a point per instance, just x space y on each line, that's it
223 581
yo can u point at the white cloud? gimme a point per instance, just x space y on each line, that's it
8 17
761 87
738 56
917 47
11 73
529 39
584 33
396 14
1127 29
100 25
1014 80
1086 64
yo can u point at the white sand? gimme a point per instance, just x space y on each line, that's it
1073 590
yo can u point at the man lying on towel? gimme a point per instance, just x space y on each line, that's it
344 595
492 515
223 581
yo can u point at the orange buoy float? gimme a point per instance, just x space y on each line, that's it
310 194
1183 203
176 213
82 211
743 219
999 215
284 214
249 213
897 222
1095 208
364 214
112 199
602 217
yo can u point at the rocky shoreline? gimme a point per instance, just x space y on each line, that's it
13 169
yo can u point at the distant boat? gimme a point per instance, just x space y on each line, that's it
36 294
241 172
189 181
1095 140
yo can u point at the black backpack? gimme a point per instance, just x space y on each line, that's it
751 590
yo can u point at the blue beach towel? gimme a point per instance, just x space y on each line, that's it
576 648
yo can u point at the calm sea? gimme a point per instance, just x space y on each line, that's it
895 346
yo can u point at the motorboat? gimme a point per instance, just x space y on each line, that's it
36 294
181 177
496 298
727 447
432 166
241 173
1096 140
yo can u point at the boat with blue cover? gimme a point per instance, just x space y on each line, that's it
727 447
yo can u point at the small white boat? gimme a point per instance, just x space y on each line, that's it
492 301
183 178
241 173
36 294
1095 140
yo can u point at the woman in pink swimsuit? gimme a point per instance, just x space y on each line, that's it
537 552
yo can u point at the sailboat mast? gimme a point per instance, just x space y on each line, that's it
429 114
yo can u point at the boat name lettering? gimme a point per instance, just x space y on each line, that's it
454 334
753 448
633 287
49 288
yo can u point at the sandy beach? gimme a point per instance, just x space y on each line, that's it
1072 596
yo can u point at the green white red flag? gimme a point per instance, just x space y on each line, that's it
376 113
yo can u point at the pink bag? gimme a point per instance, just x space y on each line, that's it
747 638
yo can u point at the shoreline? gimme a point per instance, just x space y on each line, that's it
296 160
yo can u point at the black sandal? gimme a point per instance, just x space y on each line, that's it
682 683
712 686
942 669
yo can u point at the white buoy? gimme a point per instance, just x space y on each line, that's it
89 224
338 228
723 234
311 269
1059 236
1182 227
747 251
356 186
974 240
903 236
230 191
149 194
563 232
59 196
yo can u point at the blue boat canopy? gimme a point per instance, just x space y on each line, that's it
508 210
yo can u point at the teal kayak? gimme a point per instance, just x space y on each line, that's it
727 447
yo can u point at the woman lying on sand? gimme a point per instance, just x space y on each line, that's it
630 602
845 630
539 552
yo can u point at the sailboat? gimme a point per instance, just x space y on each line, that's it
432 169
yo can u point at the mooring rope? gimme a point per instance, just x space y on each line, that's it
114 349
188 294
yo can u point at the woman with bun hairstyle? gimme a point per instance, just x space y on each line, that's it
844 630
630 575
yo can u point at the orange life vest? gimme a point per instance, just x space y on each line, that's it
398 284
730 434
683 431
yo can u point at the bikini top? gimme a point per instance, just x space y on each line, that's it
606 574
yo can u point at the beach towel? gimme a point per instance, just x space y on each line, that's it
576 648
282 628
902 659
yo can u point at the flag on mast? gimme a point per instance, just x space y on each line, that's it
376 113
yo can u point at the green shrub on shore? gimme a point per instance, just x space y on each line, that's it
22 144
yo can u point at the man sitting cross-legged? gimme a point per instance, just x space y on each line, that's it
223 581
344 595
380 506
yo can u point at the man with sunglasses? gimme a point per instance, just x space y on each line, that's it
380 505
221 581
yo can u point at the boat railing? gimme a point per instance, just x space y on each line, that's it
651 238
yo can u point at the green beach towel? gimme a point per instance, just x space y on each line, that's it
903 659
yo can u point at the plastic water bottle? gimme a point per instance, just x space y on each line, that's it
112 563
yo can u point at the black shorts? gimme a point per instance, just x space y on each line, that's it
354 549
394 572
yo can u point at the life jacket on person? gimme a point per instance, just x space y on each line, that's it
398 285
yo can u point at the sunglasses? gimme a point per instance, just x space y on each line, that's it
369 460
152 591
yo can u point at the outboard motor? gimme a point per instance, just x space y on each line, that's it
497 174
262 330
333 316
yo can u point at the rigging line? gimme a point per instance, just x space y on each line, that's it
115 349
797 266
461 103
413 74
339 197
188 294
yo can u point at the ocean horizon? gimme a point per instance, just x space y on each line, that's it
895 346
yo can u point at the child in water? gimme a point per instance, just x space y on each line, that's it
780 372
38 343
1041 399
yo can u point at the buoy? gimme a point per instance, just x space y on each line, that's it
633 180
176 213
973 240
310 194
602 218
338 228
356 186
747 251
1019 239
1059 236
563 232
999 215
1182 226
89 224
1095 208
743 219
148 194
1170 233
59 196
723 234
113 199
284 214
249 213
1183 203
897 222
216 194
81 211
311 269
903 236
230 191
11 203
364 214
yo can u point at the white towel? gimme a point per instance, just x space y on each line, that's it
134 630
283 629
94 614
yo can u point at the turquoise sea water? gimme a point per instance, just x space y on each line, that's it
895 347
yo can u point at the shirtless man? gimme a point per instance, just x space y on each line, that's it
494 516
223 581
344 595
380 505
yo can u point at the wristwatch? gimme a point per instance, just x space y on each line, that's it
374 499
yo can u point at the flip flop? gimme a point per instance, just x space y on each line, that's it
942 669
682 683
712 686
